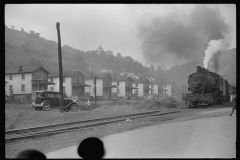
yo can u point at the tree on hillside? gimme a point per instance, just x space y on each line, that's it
101 51
152 68
31 32
119 55
109 53
13 27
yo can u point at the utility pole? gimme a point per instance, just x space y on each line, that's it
60 68
95 89
158 91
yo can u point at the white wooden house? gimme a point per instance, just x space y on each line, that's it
167 86
124 86
143 87
22 82
73 84
103 85
157 87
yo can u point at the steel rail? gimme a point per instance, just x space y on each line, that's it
62 130
74 122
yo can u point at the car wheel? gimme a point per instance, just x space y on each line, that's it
66 109
74 108
46 106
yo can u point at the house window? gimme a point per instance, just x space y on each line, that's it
136 84
51 79
118 83
118 91
40 76
10 78
64 89
51 88
23 76
23 88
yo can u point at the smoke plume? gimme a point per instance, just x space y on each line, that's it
214 46
215 59
177 38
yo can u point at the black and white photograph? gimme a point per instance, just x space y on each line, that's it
120 81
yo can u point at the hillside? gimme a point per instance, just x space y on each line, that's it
30 49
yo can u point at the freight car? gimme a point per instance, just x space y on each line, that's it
207 88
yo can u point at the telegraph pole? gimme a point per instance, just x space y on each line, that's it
95 89
60 68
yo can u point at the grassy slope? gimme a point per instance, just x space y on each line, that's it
23 116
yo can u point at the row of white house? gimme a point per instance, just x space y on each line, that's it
76 84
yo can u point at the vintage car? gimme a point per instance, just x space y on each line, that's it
44 100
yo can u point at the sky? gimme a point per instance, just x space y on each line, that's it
159 34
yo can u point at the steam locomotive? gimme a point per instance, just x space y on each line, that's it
207 88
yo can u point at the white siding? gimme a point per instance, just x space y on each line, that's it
17 83
140 89
67 85
99 87
155 87
168 89
122 88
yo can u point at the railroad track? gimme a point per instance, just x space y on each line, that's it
42 131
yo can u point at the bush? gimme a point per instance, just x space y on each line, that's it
169 102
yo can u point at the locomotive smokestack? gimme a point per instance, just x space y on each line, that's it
198 68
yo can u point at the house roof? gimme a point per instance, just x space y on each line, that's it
24 70
156 82
65 74
121 78
140 80
98 75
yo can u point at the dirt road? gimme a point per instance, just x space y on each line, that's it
213 137
57 142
